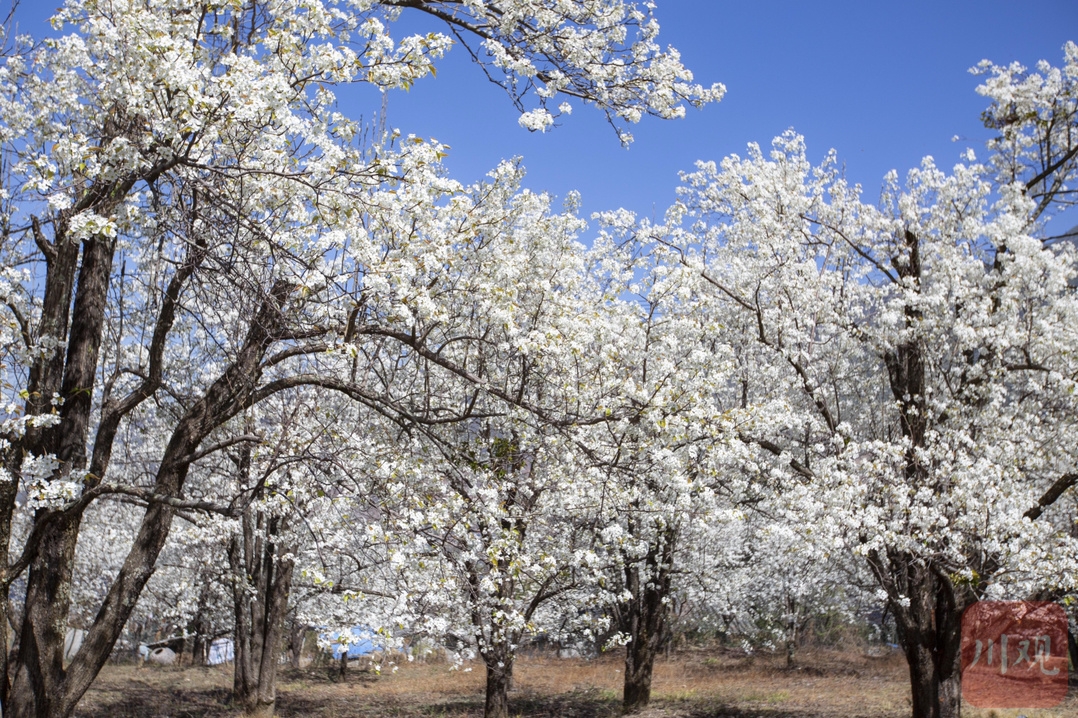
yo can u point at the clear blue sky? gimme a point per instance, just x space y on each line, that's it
882 83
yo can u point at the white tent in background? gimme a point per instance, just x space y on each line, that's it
222 650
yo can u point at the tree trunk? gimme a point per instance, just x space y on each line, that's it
645 619
499 665
296 638
262 580
40 687
201 628
791 630
639 662
37 674
9 619
929 631
926 605
936 689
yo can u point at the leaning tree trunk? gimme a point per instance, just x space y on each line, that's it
39 685
72 312
645 618
262 578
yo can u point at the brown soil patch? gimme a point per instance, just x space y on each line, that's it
704 684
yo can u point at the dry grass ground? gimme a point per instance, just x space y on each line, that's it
704 684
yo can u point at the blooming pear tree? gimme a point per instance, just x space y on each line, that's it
273 482
492 510
507 527
672 462
925 350
781 582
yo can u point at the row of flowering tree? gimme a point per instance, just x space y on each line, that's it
190 228
258 369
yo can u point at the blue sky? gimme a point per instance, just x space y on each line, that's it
882 83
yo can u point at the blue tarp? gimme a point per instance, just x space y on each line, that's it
362 642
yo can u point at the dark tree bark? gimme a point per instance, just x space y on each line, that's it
201 628
45 377
499 666
926 605
261 564
262 579
296 637
929 631
495 645
495 640
791 630
37 675
33 680
645 618
40 686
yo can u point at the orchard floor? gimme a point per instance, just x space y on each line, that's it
697 684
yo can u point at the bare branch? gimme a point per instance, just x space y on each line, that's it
1050 496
